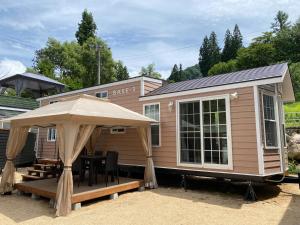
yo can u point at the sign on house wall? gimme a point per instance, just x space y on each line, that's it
123 91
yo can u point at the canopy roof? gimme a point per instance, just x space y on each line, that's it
83 109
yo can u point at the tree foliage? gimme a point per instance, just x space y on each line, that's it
280 22
209 53
74 64
227 53
223 67
86 28
294 69
255 55
121 71
150 71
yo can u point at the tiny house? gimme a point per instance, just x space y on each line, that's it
229 125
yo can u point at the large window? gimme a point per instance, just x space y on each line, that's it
51 134
152 111
270 124
203 132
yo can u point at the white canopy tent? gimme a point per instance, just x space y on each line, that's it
75 119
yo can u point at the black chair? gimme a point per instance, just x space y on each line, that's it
111 166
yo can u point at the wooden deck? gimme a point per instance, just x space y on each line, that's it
47 188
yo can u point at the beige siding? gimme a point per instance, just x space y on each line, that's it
150 86
244 147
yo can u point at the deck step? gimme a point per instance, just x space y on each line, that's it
26 177
39 171
44 166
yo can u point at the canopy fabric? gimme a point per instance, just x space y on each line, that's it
72 137
16 141
149 175
75 120
91 143
85 109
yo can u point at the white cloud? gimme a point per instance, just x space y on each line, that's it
10 67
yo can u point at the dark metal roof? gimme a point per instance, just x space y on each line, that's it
266 72
31 76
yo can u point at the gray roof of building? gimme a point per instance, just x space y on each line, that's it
260 73
32 76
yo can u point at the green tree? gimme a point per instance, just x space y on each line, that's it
265 38
294 69
204 56
223 67
214 49
209 53
121 71
287 44
150 71
227 53
192 72
256 55
280 22
74 64
237 41
86 28
174 74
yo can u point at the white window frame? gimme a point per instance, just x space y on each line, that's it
51 140
116 130
159 124
101 92
229 166
276 119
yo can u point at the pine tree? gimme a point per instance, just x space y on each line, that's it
204 56
237 41
227 53
182 75
174 74
86 28
214 49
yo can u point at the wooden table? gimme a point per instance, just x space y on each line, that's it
94 160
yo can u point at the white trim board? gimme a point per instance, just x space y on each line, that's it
103 86
15 109
260 154
216 88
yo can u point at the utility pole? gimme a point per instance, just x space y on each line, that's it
98 47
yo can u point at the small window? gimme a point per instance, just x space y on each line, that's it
51 134
153 111
270 123
118 130
102 94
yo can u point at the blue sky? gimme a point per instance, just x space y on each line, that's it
138 32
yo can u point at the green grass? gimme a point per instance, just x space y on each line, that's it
292 107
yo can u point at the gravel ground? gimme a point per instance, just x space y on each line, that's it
205 202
